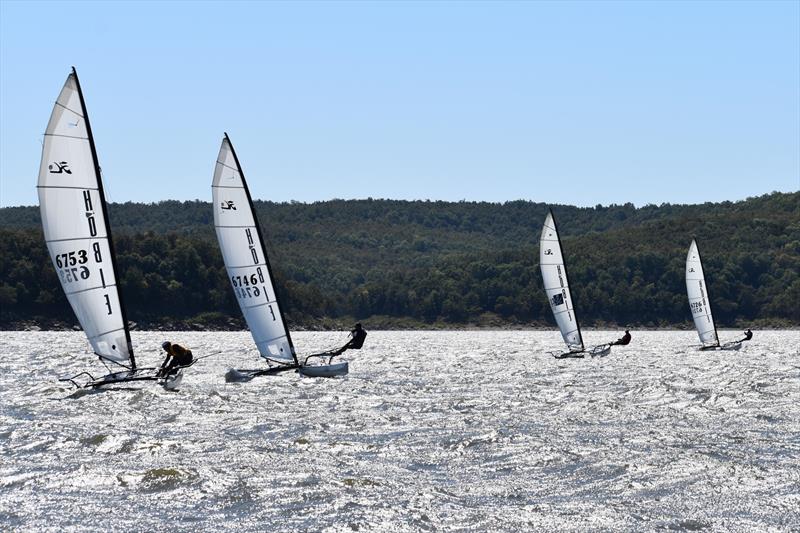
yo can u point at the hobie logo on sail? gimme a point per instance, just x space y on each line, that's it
557 299
59 168
548 252
228 204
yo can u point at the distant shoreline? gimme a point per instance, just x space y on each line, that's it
380 325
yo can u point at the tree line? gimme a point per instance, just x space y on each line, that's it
420 262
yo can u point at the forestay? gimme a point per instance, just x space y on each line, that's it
76 228
556 284
245 257
699 301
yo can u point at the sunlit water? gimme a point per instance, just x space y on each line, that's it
430 431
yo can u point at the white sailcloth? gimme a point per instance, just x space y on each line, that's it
245 258
75 226
699 301
556 285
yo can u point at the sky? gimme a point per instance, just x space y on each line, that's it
579 103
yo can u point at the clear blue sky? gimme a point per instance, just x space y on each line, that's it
569 102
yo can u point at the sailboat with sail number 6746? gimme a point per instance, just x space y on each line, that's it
251 277
700 303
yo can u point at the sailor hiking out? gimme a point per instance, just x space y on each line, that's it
623 341
358 334
177 356
747 335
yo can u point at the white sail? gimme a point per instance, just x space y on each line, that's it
699 301
75 226
556 284
246 259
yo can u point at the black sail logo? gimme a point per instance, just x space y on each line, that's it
228 204
59 168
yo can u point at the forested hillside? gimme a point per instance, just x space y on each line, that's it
410 264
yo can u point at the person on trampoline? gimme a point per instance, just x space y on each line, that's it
177 356
747 335
358 334
624 340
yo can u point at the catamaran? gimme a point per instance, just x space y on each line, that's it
700 303
246 260
78 237
556 286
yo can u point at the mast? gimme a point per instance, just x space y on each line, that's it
263 247
566 276
104 209
708 293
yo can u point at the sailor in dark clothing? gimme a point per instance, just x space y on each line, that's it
747 335
624 340
358 334
177 356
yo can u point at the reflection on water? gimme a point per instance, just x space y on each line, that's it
429 431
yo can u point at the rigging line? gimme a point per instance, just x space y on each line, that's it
249 266
96 238
270 340
91 289
259 305
68 109
106 333
227 166
66 136
245 226
66 187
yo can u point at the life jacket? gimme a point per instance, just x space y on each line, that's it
181 355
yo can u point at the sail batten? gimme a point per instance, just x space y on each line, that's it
75 224
556 283
246 260
699 300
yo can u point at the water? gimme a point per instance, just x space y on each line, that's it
431 431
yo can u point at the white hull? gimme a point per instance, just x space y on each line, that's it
325 371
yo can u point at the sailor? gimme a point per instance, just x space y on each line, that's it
358 334
179 356
624 340
747 335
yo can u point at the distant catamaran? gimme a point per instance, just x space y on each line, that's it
78 237
556 286
250 274
700 303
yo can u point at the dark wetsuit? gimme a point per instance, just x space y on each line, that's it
180 357
359 334
624 341
358 339
748 335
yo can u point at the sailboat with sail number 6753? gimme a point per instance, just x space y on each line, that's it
78 237
556 285
250 274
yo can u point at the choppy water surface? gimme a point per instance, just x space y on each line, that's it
429 432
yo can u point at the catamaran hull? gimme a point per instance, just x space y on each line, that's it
325 371
727 347
600 351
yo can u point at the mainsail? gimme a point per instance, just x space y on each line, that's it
246 259
699 301
75 223
556 284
